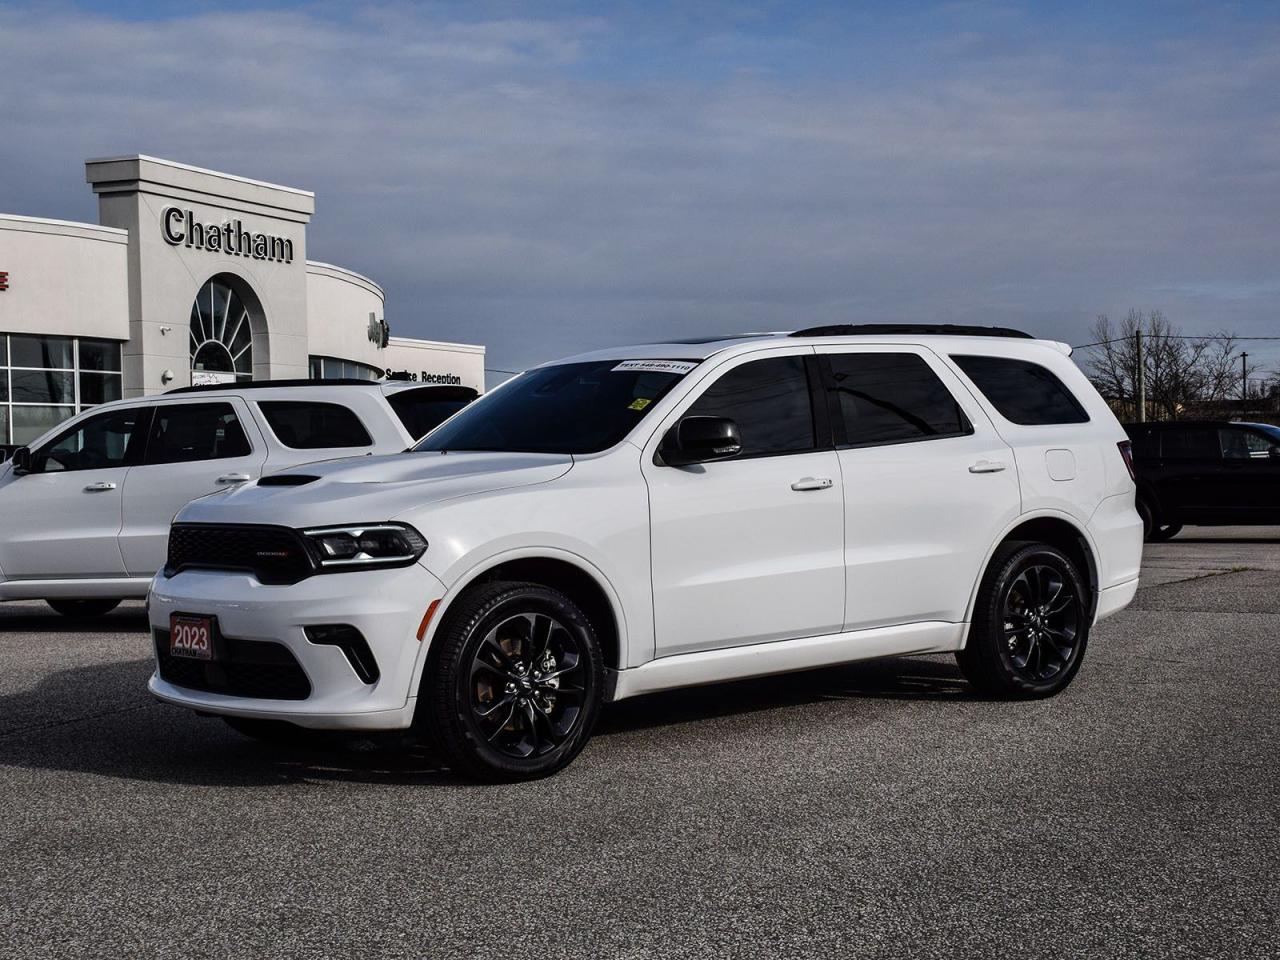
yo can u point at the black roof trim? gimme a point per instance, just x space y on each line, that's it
909 330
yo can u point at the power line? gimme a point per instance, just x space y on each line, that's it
1172 336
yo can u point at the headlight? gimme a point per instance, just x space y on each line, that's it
360 546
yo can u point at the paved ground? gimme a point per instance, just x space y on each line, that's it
879 810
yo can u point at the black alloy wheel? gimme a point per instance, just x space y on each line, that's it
1030 623
514 682
526 685
1041 622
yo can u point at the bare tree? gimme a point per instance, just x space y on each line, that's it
1183 373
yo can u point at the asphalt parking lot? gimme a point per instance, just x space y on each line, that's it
873 810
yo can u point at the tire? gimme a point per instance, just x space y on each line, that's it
495 700
1148 518
1015 650
83 608
1164 531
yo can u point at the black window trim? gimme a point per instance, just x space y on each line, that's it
823 439
837 415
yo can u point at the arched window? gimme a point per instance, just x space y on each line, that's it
221 336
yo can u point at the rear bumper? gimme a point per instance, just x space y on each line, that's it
1114 599
386 606
1116 531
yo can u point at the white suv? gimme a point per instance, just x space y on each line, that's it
652 517
85 509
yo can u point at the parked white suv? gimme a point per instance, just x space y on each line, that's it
85 509
652 517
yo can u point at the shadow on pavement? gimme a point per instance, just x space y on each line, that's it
100 720
27 617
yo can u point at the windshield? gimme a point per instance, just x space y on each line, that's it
567 408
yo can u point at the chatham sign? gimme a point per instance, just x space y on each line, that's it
180 228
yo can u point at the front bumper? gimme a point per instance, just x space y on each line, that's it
386 606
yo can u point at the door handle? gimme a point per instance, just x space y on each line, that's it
234 478
100 487
986 466
812 483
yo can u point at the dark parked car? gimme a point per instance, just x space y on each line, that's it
1208 473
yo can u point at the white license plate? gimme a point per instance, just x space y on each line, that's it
191 637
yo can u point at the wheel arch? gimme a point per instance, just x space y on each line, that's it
571 574
1057 530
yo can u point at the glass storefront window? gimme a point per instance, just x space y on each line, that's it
99 388
41 384
30 422
100 355
333 368
42 353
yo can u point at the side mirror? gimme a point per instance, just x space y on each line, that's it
21 461
700 440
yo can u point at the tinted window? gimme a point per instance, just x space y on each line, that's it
1240 444
422 410
96 443
1190 443
196 431
566 408
768 400
1023 392
893 398
310 425
1146 444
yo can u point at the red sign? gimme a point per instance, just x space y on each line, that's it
4 279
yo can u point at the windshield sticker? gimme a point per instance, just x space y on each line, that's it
639 403
680 367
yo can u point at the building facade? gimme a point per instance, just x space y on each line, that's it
191 276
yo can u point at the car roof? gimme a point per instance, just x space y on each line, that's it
949 337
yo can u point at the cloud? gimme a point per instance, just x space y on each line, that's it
550 185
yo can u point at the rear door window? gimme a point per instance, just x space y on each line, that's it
1022 392
181 433
424 409
1190 443
770 402
1239 443
314 425
893 398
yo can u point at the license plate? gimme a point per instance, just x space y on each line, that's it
191 637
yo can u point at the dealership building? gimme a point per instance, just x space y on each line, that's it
190 277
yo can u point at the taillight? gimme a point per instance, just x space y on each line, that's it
1126 451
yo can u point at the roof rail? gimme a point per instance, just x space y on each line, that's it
259 384
909 329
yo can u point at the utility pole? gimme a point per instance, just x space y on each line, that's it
1244 383
1142 380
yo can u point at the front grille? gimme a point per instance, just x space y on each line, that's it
243 668
275 555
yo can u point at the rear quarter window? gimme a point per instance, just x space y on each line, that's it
424 409
314 425
1022 392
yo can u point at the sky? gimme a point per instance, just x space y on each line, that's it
548 178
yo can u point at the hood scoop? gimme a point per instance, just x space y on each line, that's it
287 480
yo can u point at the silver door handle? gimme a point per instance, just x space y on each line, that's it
100 487
234 478
812 483
987 466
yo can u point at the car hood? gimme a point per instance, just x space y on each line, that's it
367 489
